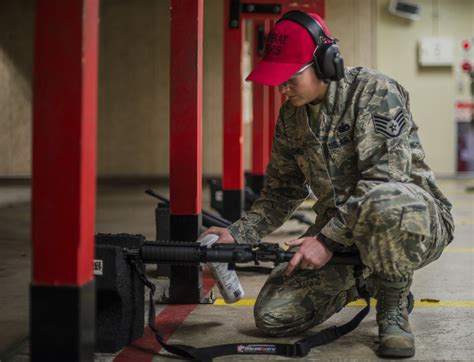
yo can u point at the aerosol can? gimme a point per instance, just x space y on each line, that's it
227 280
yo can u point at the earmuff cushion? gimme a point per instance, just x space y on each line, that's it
325 56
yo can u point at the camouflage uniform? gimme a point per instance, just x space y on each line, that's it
365 164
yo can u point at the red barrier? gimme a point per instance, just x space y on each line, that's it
62 293
64 141
260 137
186 107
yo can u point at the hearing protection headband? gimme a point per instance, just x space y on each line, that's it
328 62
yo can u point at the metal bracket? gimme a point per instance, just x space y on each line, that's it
237 8
256 8
260 40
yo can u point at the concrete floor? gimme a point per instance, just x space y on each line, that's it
444 330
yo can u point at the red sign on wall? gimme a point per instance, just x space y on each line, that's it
464 111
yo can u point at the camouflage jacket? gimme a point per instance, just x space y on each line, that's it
366 136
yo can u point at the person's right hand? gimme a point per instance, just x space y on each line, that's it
225 236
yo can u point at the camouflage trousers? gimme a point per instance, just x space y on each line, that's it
400 228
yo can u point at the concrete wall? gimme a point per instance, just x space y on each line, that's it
213 57
133 88
134 78
16 55
353 23
133 120
432 89
133 115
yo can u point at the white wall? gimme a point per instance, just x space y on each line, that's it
433 90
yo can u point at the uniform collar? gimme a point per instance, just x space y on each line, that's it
336 90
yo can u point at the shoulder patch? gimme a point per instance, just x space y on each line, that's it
389 127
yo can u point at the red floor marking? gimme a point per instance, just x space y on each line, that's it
168 321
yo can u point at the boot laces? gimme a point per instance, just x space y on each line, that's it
391 306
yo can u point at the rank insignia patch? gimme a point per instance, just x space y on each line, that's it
343 128
389 127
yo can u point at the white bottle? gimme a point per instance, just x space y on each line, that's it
227 280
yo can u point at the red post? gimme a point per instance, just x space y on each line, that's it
186 140
64 179
273 108
275 104
233 170
186 107
233 167
260 127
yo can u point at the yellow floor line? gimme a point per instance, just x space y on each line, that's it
361 303
420 303
454 249
464 222
240 303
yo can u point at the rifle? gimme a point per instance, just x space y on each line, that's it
186 253
193 253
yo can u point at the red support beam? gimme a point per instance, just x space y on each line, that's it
272 115
275 98
260 128
233 115
273 108
64 141
64 180
186 107
233 160
310 6
275 104
260 137
186 141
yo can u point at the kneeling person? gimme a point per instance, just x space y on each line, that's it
347 135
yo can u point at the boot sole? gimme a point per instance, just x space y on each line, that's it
396 352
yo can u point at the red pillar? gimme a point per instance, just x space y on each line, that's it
233 160
276 99
186 140
260 127
274 105
64 176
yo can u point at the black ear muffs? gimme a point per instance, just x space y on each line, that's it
327 59
328 63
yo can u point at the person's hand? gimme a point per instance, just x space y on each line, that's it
311 254
225 237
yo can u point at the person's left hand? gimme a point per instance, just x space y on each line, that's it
311 254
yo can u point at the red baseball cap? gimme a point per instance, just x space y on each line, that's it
288 48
